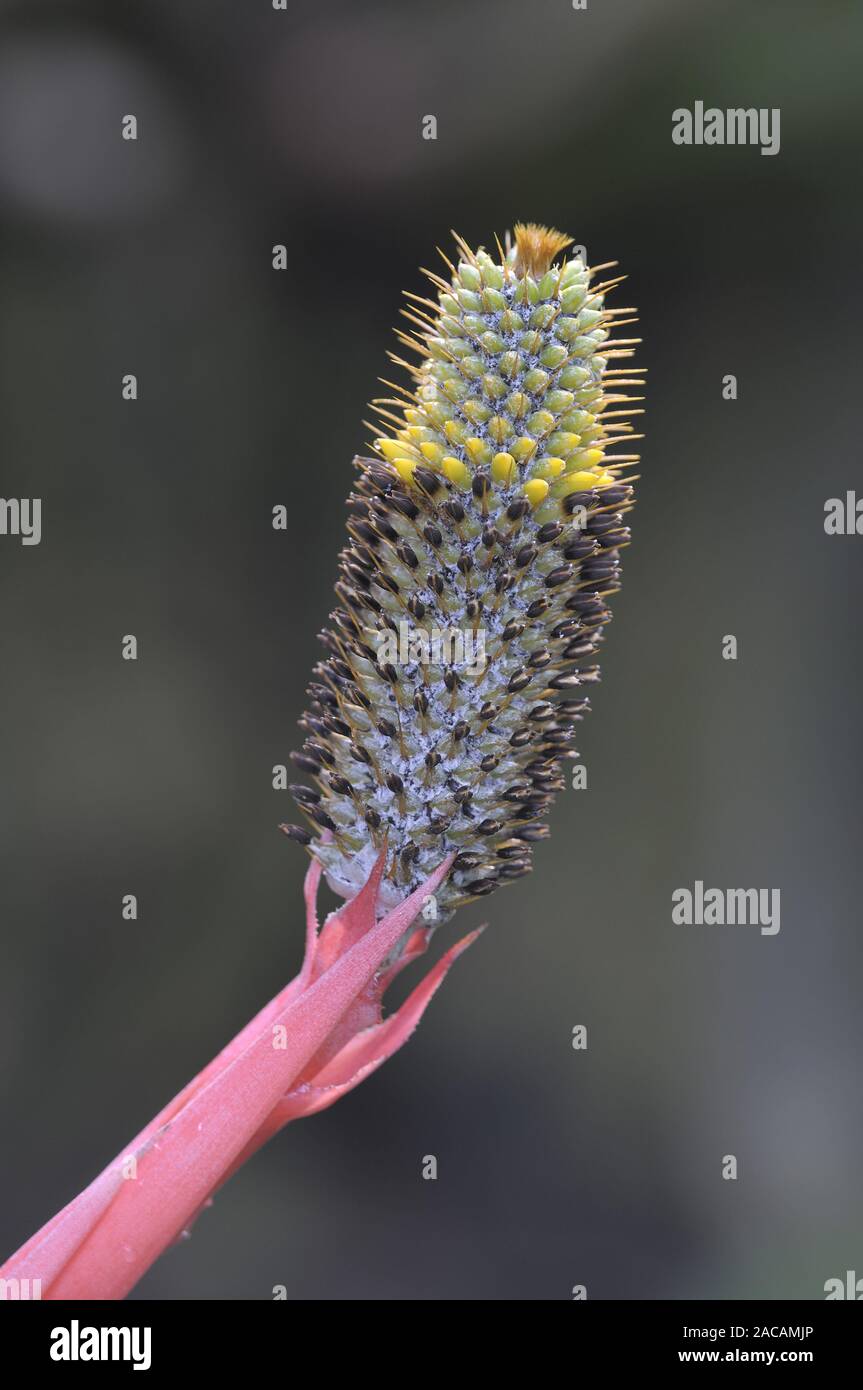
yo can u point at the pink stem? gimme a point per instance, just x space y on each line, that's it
100 1245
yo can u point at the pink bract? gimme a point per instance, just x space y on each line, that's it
315 1041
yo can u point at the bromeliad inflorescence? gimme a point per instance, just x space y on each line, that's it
493 511
493 514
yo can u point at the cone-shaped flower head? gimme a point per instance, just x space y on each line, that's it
484 544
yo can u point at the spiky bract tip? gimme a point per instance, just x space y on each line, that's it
536 247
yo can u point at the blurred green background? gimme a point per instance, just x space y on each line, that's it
303 127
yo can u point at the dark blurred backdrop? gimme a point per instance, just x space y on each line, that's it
303 127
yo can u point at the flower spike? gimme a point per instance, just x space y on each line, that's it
484 540
493 516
